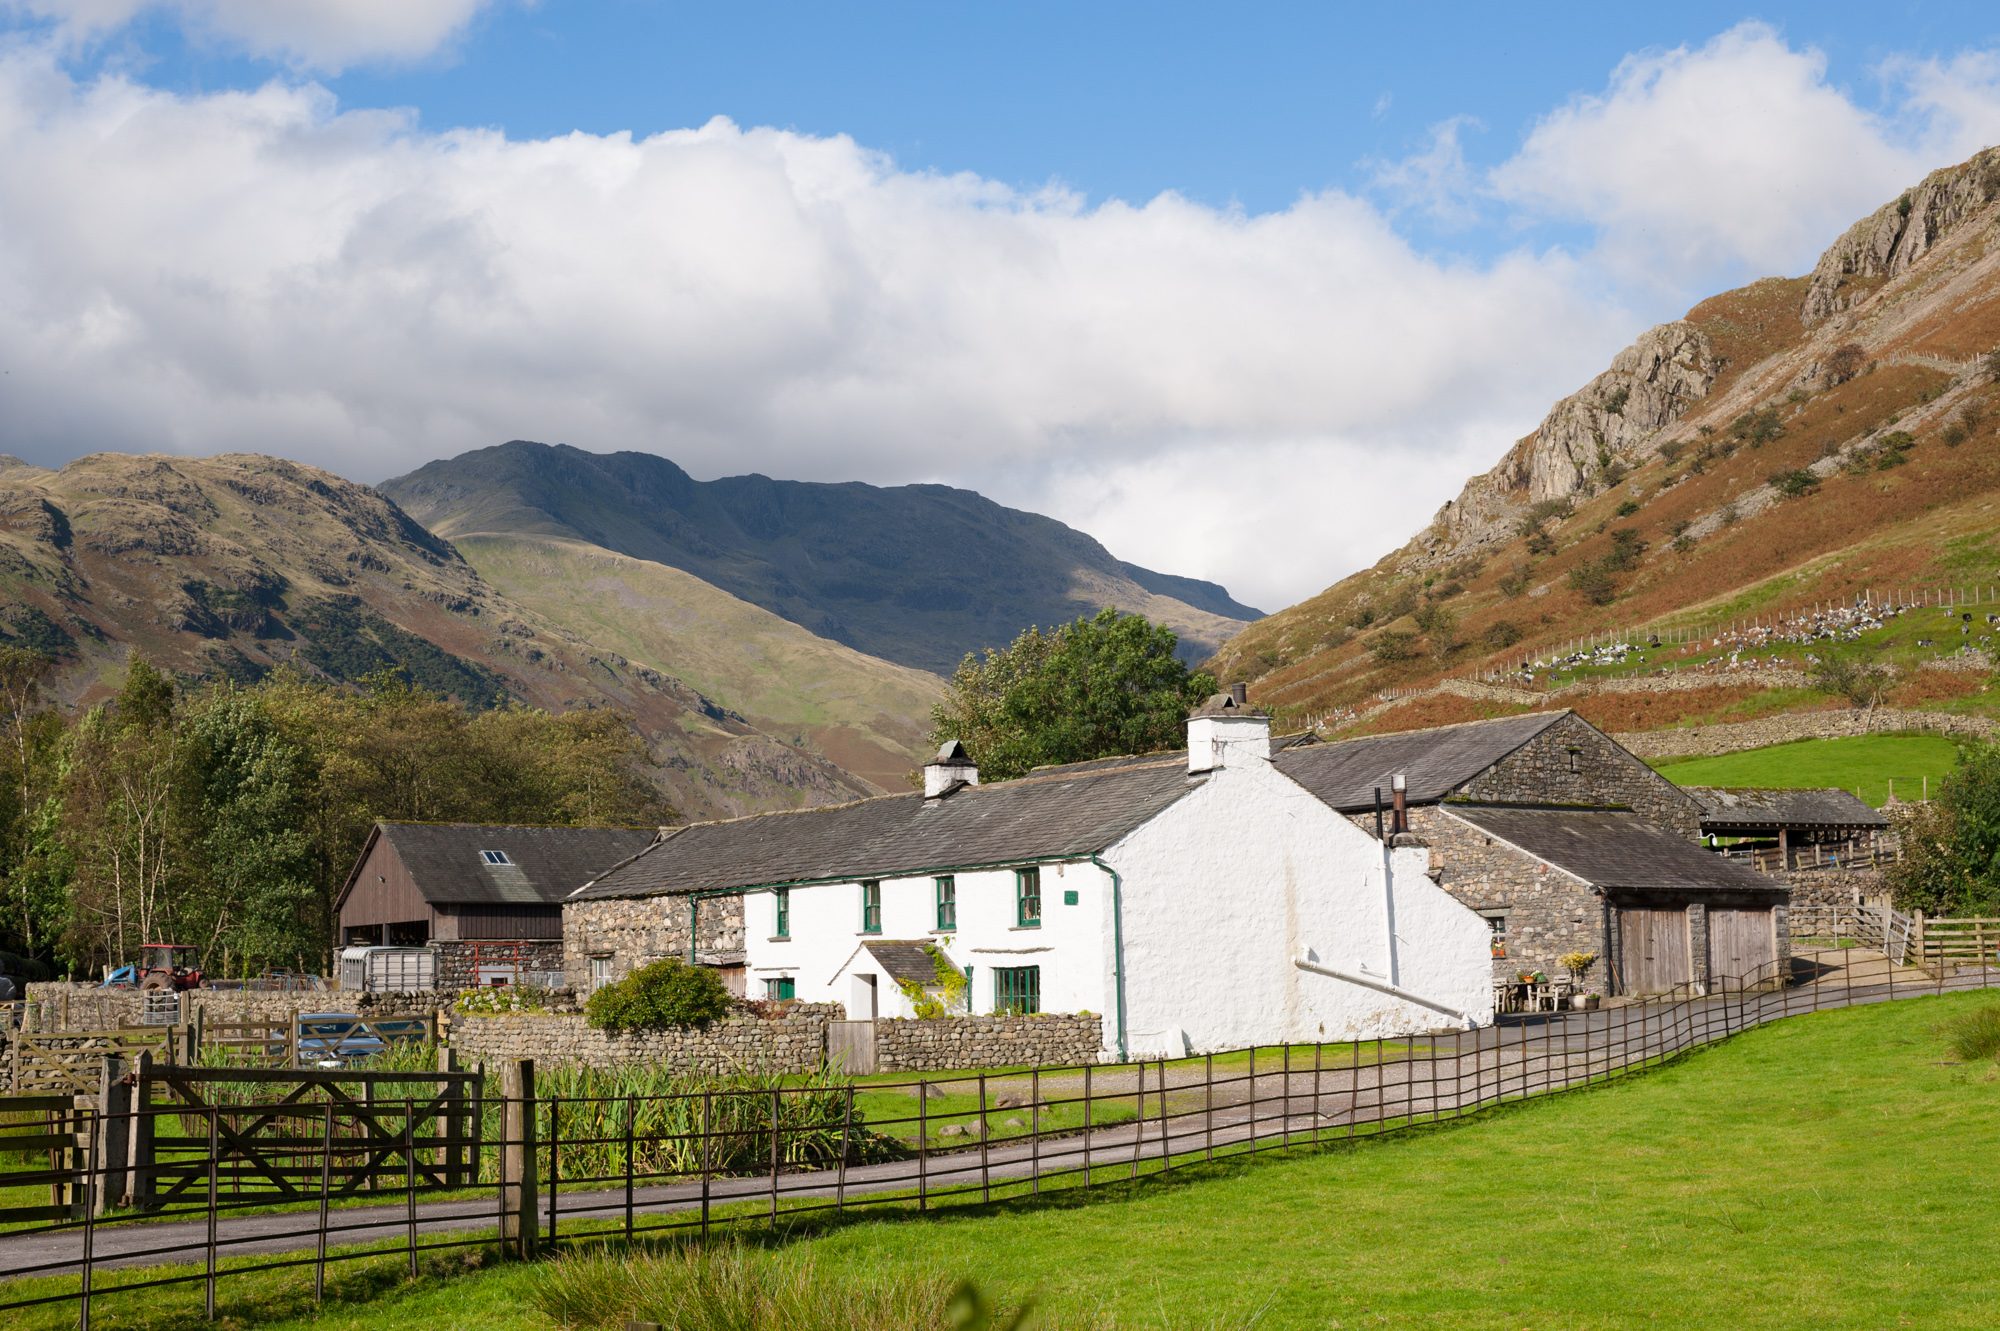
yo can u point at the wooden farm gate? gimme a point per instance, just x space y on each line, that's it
71 1062
1944 943
47 1131
281 1132
1655 957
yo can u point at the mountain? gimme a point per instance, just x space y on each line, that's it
1798 440
916 574
228 566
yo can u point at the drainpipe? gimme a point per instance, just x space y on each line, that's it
694 908
1117 947
1397 991
1399 823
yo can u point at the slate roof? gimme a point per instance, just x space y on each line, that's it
904 962
546 863
1434 762
1615 851
1059 814
1749 810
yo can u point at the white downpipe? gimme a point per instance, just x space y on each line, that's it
1383 986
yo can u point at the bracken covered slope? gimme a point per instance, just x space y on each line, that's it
228 566
1797 439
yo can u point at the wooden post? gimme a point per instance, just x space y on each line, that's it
451 1119
139 1153
113 1135
518 1217
1917 936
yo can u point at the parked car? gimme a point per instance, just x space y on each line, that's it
342 1039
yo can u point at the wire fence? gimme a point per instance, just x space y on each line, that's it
323 1169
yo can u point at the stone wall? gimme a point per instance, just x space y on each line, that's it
1833 887
1048 1039
1548 912
635 931
456 968
1573 762
58 1004
794 1040
1737 736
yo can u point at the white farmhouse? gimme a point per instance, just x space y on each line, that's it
1195 901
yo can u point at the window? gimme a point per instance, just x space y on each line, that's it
781 989
871 908
1028 898
600 973
947 902
781 916
1498 924
1017 989
495 857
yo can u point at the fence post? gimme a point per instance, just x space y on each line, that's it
112 1136
452 1119
139 1154
518 1218
214 1168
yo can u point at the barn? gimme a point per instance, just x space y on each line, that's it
473 903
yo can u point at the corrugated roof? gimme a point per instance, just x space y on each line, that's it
1043 816
1616 851
545 864
1768 810
1435 762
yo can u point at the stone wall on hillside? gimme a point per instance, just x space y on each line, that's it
1738 736
791 1041
1047 1039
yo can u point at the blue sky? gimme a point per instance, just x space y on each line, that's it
1066 254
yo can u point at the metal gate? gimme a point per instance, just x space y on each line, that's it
850 1046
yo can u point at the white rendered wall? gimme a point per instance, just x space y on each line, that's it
1071 946
1223 890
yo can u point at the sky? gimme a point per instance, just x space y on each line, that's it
1245 292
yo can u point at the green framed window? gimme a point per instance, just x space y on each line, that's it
1017 989
871 908
947 902
781 989
1028 898
781 919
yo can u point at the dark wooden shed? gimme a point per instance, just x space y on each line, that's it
485 898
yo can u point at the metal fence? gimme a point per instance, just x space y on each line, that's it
304 1171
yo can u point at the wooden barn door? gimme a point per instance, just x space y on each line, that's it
1655 951
1742 944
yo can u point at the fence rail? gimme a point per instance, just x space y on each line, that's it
351 1165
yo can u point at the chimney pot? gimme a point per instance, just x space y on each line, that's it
1240 691
1400 788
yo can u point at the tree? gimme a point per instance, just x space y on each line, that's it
1951 847
1092 688
1844 362
1857 677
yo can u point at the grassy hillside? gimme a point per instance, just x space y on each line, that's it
1864 764
1809 1174
915 574
232 566
869 716
1829 437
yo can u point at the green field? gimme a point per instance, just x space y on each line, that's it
1822 1173
1865 764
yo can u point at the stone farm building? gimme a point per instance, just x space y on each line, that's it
1565 842
484 900
1193 901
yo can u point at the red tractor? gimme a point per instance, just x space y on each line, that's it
169 966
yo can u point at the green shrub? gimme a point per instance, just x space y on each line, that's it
1502 633
1974 1035
1793 484
1628 508
1595 582
666 995
496 1000
1392 645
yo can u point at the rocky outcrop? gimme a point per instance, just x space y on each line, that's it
1895 237
1613 419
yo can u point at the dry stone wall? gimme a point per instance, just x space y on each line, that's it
61 1005
792 1041
1737 736
1048 1039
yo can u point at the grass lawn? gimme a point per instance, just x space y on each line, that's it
1826 1172
1863 762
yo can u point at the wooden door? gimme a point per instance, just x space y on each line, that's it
1654 951
1742 945
850 1046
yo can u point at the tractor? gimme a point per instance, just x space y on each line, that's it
168 966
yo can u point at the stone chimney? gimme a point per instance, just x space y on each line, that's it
948 771
1227 731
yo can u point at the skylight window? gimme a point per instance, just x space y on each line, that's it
495 857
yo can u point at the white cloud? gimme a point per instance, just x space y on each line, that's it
1270 400
317 34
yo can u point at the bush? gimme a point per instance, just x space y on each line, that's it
1626 547
1515 581
667 995
1628 508
1671 451
1595 582
1758 428
1844 362
1974 1035
1392 645
1502 633
1793 484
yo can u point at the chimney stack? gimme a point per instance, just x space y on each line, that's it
1399 790
948 771
1226 732
1241 693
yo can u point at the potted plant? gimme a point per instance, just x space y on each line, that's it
1576 963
